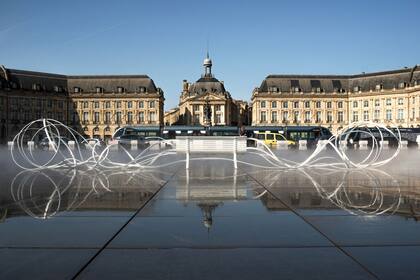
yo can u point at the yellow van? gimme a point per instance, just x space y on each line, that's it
271 138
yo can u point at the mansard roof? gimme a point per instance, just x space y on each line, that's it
329 83
87 83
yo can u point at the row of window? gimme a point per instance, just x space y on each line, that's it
295 104
118 104
377 102
297 116
218 118
118 117
217 107
377 115
102 90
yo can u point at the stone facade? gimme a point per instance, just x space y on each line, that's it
207 102
95 106
391 97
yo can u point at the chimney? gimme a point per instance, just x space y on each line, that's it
184 85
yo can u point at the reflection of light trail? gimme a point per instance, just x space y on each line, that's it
40 193
95 156
373 201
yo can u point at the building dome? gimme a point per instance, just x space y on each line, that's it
207 62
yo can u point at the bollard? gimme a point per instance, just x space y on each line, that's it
9 145
52 146
322 143
282 145
343 145
31 145
303 145
133 145
72 144
363 144
404 144
384 144
418 141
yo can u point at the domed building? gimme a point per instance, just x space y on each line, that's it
206 102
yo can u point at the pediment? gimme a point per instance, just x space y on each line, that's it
209 97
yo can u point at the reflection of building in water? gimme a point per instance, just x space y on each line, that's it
208 189
89 192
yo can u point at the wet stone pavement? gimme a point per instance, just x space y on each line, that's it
212 222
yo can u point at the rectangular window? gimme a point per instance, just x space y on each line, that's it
273 116
152 104
96 104
307 104
108 117
196 107
118 104
218 118
366 103
262 104
400 101
377 114
366 115
152 116
85 117
355 104
388 102
329 104
130 117
340 104
400 114
285 104
141 104
285 116
296 116
217 107
318 117
96 117
118 117
274 104
196 118
130 104
388 115
377 103
318 104
355 116
329 117
263 116
107 105
296 104
307 116
141 117
340 117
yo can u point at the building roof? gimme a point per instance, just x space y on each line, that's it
329 83
109 83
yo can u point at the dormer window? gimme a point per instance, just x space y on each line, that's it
379 87
36 87
402 85
357 89
142 89
99 90
295 86
77 90
120 90
58 89
317 90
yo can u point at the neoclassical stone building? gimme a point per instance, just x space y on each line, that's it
336 100
207 102
93 105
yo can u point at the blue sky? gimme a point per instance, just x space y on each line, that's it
247 39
